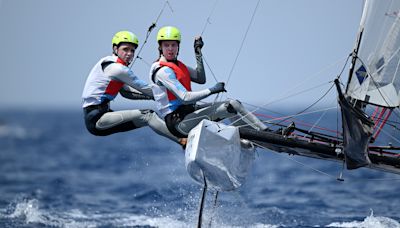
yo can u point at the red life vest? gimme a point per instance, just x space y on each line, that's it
114 86
182 74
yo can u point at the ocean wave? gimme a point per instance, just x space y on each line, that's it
370 221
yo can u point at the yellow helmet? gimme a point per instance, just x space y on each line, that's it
169 33
125 37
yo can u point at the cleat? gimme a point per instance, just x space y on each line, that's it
289 129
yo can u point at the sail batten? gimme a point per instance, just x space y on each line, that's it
376 75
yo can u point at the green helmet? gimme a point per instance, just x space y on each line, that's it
125 37
169 33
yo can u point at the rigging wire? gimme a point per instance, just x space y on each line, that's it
375 83
313 104
149 30
212 73
390 123
241 45
208 18
390 135
297 93
147 63
326 93
289 95
299 122
300 163
320 118
207 22
327 174
295 115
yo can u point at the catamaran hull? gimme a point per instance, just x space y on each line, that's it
383 160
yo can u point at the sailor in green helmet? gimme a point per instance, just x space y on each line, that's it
176 102
110 76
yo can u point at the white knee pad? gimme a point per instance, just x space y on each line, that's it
234 106
109 119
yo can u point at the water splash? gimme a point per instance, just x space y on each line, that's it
27 211
369 222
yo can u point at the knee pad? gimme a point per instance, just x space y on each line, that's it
232 106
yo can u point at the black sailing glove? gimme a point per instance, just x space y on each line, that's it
198 45
218 88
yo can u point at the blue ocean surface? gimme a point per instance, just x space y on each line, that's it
53 173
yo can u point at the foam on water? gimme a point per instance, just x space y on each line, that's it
55 174
28 212
369 222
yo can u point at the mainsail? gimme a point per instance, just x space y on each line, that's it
367 105
375 78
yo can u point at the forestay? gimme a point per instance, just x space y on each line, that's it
376 75
214 154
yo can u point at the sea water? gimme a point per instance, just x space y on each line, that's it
53 173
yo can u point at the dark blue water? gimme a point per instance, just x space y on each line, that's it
53 173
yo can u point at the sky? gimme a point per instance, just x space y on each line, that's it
49 46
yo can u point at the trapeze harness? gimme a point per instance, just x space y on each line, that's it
175 117
102 90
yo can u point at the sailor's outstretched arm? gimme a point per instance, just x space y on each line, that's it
133 94
167 78
124 74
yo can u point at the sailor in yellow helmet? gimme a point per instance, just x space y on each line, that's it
176 102
110 76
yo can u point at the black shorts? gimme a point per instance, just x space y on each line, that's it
94 112
173 119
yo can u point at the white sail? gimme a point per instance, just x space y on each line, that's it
376 76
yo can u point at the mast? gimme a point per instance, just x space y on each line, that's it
354 57
357 45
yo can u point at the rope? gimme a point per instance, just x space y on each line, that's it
372 79
241 45
291 116
147 63
259 107
300 163
319 119
326 93
327 174
315 102
149 30
212 73
289 95
302 123
208 18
